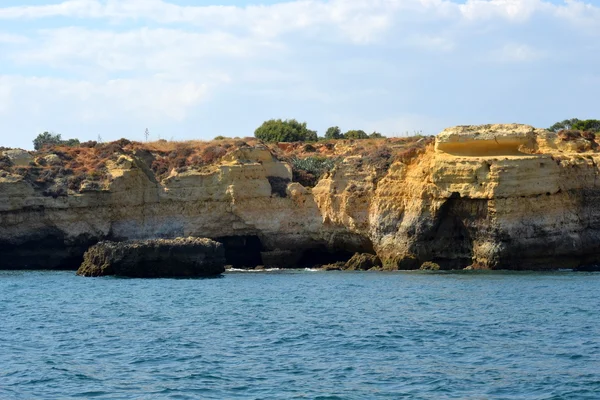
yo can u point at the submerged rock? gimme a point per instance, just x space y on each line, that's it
181 257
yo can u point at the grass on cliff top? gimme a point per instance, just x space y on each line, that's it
59 170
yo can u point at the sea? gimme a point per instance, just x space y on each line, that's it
301 334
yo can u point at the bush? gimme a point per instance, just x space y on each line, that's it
220 138
212 154
592 125
333 132
309 148
309 170
90 144
47 139
356 134
276 130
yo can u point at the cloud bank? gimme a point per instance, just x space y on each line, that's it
89 67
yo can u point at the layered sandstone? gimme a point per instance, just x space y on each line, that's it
492 196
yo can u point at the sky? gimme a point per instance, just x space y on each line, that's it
185 69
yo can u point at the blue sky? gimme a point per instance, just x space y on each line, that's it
198 69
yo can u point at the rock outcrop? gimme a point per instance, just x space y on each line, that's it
181 257
492 197
363 262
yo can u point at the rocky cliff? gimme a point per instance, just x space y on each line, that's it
493 196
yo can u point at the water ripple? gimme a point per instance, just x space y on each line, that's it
301 334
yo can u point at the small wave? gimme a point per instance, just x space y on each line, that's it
252 270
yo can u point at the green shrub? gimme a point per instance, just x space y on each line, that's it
308 171
592 125
334 132
49 140
290 130
356 134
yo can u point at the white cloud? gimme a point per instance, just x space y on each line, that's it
156 50
513 10
372 64
583 15
10 38
103 99
431 42
516 52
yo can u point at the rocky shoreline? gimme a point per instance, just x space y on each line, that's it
480 197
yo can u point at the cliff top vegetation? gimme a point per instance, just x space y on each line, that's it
61 167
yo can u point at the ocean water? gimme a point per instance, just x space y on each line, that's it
301 334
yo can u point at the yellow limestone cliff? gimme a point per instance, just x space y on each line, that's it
492 196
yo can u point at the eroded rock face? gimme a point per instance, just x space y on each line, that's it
487 140
18 157
492 196
181 257
485 209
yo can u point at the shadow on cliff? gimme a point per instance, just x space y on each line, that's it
448 241
47 249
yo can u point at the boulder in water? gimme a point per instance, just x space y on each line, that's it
155 258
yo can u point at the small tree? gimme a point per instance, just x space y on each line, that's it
334 132
566 124
290 130
376 135
46 139
592 125
356 134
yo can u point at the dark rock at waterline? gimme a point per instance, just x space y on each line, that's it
358 262
429 266
362 262
181 257
281 258
336 266
588 268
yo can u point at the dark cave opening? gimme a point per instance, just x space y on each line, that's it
242 251
321 255
47 250
450 241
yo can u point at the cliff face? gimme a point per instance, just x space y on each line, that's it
498 197
494 196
